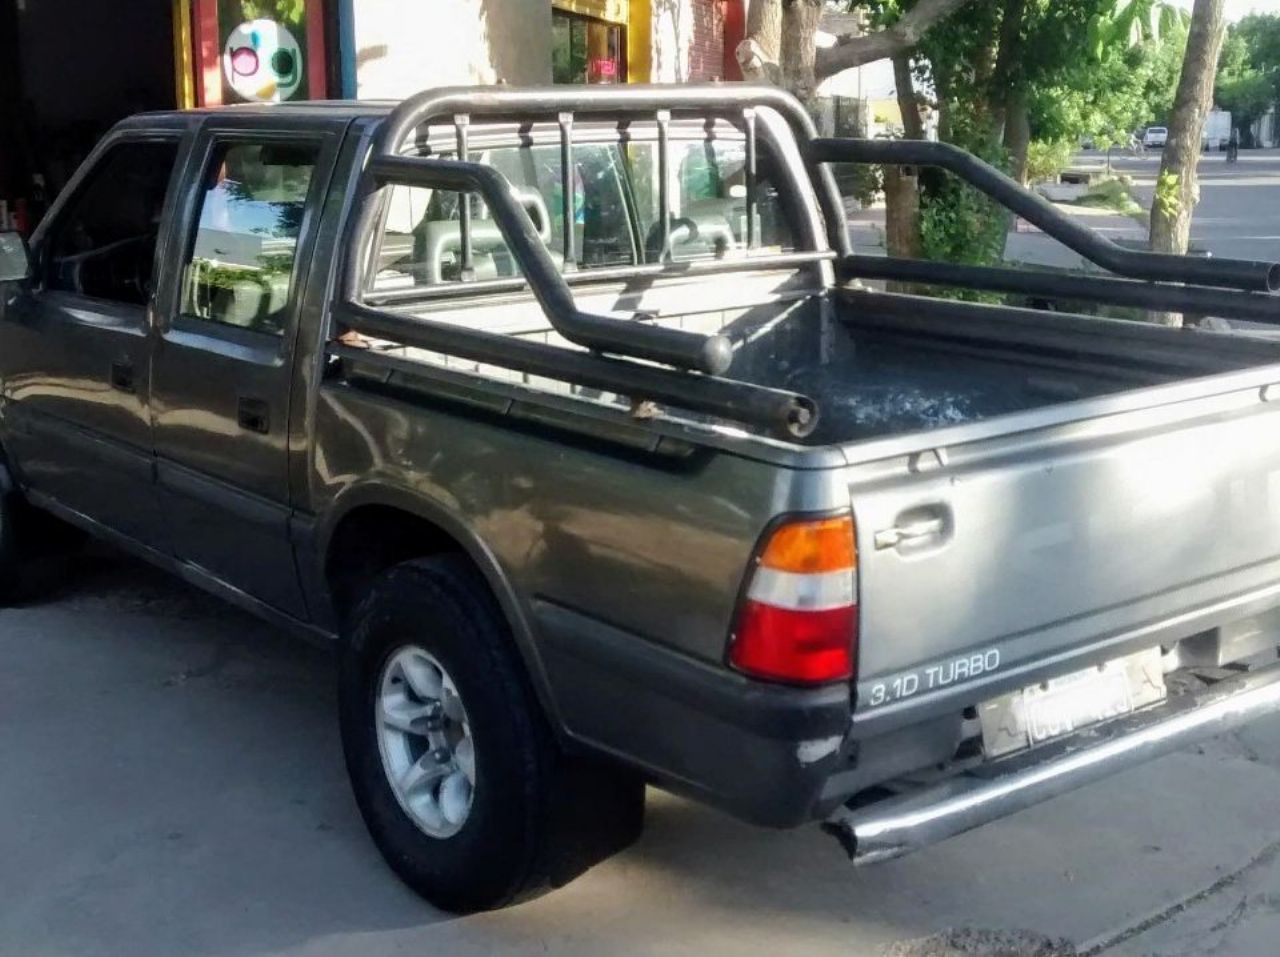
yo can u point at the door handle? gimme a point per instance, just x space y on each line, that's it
122 377
915 530
253 415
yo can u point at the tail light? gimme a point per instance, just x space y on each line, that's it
799 618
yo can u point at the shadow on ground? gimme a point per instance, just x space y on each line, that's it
173 784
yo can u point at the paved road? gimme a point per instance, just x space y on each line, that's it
171 784
1239 210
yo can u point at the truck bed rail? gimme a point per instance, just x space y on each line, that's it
696 362
1163 267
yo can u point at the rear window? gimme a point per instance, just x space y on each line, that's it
614 213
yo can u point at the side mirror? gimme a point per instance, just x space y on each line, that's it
15 261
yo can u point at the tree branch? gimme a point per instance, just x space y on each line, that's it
902 37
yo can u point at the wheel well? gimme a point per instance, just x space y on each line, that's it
372 538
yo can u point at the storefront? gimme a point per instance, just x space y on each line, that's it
69 69
589 41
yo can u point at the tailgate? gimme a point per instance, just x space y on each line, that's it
1015 557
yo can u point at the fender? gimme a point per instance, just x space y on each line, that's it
312 539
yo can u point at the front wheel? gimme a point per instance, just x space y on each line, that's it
31 541
454 770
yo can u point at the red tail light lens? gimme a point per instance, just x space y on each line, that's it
799 621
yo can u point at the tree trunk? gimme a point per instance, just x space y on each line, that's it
1176 187
904 85
800 20
901 183
902 37
1017 134
902 218
1005 85
760 51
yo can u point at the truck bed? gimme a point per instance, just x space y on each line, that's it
878 368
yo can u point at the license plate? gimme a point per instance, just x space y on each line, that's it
1065 705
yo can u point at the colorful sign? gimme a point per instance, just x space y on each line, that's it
603 69
260 51
262 62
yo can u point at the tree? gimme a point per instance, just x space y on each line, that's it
1176 188
1110 93
773 25
1248 81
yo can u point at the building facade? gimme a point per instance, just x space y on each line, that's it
71 68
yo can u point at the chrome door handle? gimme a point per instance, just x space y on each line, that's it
911 532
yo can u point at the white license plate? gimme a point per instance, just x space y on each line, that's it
1065 705
1062 706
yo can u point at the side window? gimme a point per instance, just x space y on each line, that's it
104 243
239 267
421 242
709 200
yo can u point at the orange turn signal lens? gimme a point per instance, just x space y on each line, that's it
825 545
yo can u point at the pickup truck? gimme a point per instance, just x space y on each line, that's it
571 418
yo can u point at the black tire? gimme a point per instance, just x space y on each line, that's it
538 818
31 543
11 557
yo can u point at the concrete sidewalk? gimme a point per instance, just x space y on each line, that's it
1026 244
1029 246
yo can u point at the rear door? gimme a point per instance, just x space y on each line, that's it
223 362
75 343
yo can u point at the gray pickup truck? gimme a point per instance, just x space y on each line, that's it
568 415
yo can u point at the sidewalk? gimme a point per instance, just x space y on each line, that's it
1026 244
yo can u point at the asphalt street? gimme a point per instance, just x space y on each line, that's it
1239 210
172 784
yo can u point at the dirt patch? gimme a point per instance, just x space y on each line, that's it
972 942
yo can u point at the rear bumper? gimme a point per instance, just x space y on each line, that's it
761 752
899 825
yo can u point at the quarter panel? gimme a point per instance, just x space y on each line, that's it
653 546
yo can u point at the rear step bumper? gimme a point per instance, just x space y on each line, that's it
904 823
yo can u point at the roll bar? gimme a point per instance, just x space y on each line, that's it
1161 267
1046 284
710 354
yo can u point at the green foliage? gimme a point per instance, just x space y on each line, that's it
1248 81
1168 200
1083 67
958 223
1113 194
1047 158
1129 23
283 11
1109 98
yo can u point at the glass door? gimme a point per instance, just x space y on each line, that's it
587 50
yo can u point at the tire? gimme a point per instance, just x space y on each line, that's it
504 815
11 557
31 542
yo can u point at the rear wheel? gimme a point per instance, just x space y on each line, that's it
455 772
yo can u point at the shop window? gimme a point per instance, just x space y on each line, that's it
586 50
240 268
104 243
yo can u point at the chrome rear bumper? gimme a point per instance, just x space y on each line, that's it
904 823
